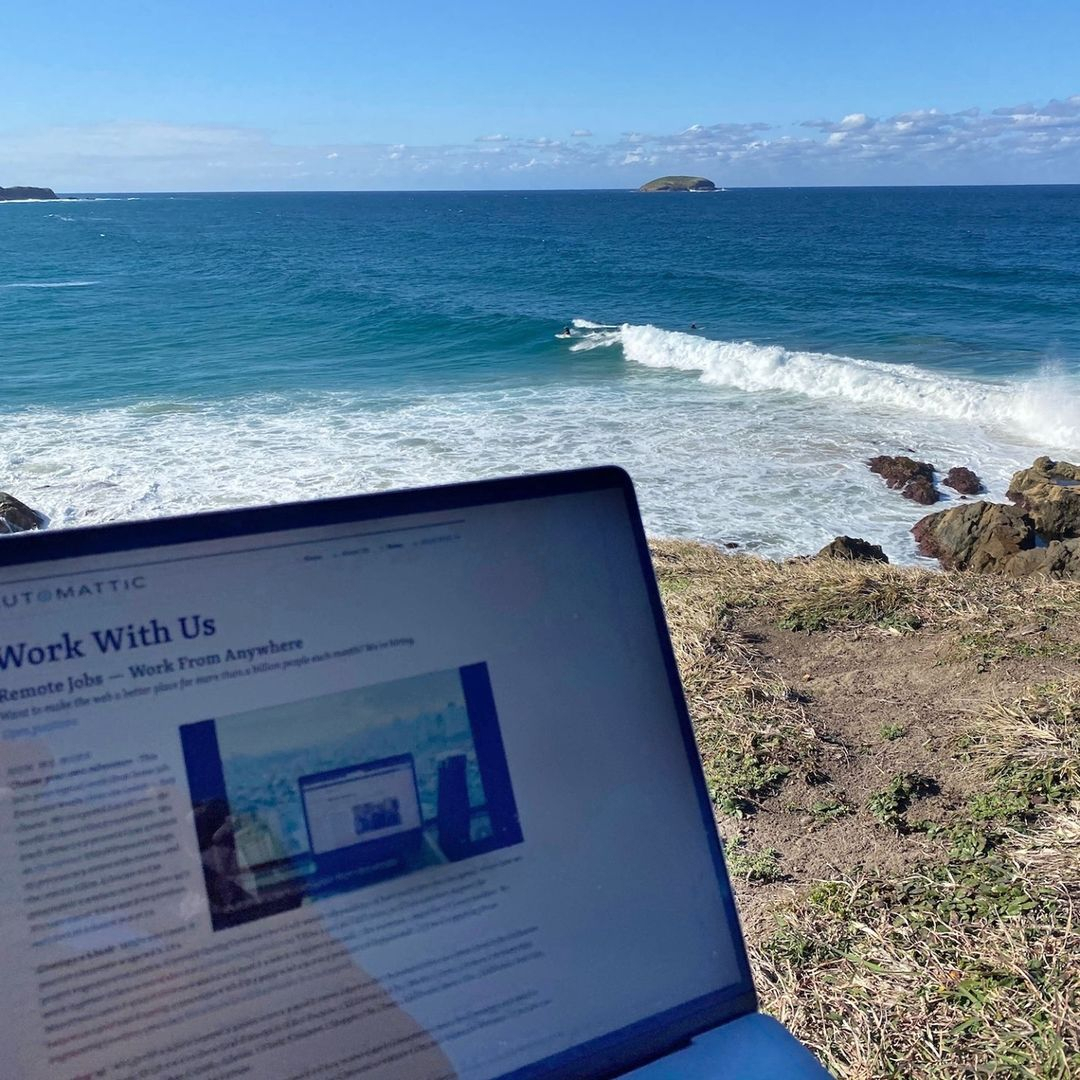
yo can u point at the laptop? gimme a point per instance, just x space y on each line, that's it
363 815
400 785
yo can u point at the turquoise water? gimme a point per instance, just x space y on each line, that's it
166 353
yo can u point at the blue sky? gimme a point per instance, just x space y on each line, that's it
128 96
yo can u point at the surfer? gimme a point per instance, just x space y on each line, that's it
566 331
693 326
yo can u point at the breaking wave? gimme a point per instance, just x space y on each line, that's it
1045 409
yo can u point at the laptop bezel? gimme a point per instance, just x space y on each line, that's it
606 1055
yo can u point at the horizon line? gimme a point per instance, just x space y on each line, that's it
518 191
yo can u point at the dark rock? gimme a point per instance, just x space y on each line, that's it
12 193
979 536
16 516
963 480
900 470
915 479
1050 493
922 491
731 544
854 549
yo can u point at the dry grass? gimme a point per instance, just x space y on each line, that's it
751 729
965 963
1032 746
1051 852
967 969
824 594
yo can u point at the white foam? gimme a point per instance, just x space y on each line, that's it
1045 410
48 285
584 324
780 475
766 447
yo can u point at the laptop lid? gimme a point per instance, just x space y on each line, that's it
200 715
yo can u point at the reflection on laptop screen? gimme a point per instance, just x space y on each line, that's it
406 791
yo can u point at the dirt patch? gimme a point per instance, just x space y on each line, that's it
882 705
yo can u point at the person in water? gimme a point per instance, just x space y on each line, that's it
693 326
566 330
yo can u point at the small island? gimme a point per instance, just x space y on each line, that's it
679 183
14 194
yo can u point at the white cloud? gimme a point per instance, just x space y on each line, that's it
581 133
1016 143
856 122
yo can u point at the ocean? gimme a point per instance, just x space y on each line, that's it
168 353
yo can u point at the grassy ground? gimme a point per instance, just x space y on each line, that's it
894 758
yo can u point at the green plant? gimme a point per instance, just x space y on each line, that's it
736 777
889 805
672 583
758 866
998 805
831 809
889 732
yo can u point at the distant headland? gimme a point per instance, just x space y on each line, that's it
679 183
13 194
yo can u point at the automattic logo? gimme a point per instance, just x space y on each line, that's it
58 593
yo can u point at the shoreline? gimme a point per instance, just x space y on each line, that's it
1035 532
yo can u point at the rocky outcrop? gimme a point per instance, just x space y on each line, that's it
853 549
11 194
16 516
964 481
1050 493
980 536
914 479
679 183
1059 559
1039 535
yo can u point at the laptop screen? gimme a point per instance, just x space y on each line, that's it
398 785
